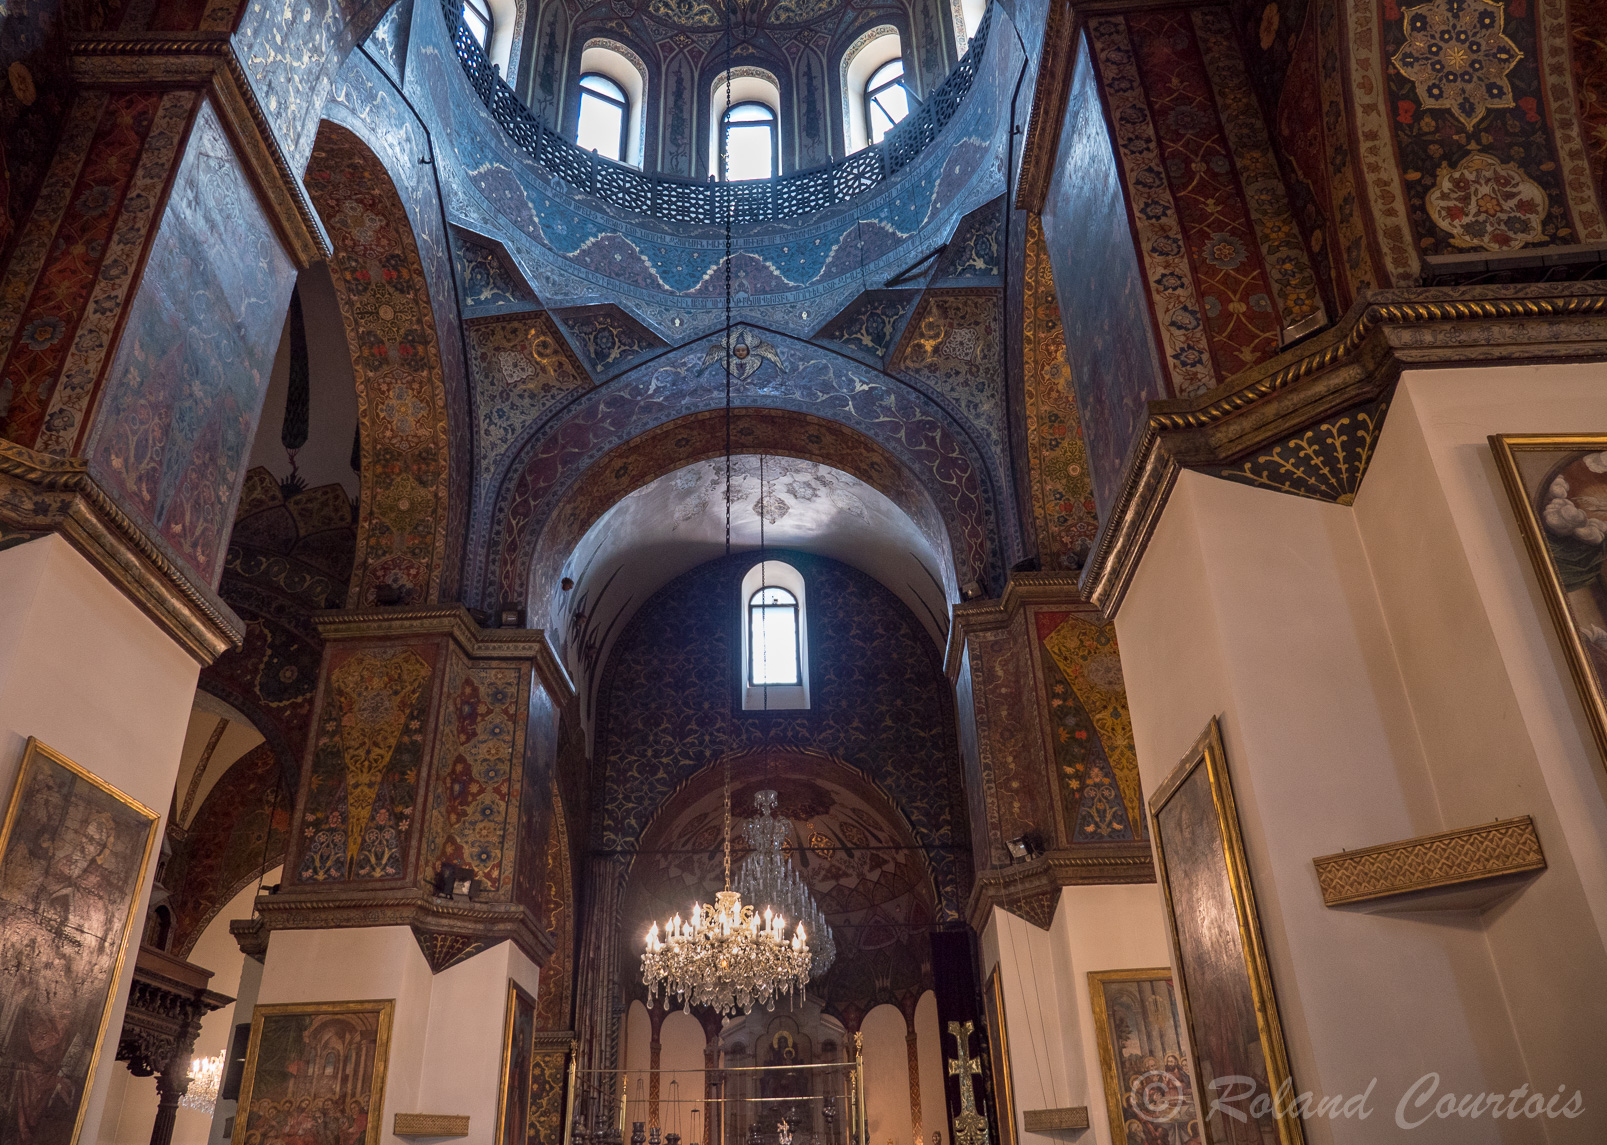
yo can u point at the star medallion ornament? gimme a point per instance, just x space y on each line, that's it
1458 56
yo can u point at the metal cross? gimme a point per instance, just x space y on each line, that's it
970 1127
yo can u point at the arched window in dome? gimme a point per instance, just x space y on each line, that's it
775 641
873 85
887 101
750 148
605 115
477 19
745 118
613 90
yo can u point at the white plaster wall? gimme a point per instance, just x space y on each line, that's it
929 1047
1367 696
887 1077
84 670
1038 1017
636 1054
1101 928
680 1060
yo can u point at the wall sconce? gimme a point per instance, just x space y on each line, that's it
1023 849
454 881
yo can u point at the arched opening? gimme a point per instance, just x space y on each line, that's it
613 98
870 55
748 109
775 640
887 101
494 26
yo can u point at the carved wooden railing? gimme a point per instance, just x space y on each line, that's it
678 200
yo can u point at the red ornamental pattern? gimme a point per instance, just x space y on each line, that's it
61 292
401 391
1587 34
1235 293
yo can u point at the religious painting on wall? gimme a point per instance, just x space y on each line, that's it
1558 487
315 1071
1004 1103
513 1096
73 855
1149 1090
1222 974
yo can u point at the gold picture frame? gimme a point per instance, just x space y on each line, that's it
1004 1100
1162 1099
1200 863
518 1048
1530 465
364 1017
70 860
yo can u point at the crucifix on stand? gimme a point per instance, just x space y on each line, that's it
970 1127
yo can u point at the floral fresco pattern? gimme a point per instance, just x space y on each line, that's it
361 788
1062 489
396 362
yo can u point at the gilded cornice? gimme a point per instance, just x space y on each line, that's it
477 923
208 61
1021 589
42 494
1031 889
1355 363
454 621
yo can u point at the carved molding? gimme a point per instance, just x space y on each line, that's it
1049 1120
454 620
42 494
166 1002
207 60
445 927
1450 858
1031 890
1343 369
251 935
1041 141
430 1125
1021 589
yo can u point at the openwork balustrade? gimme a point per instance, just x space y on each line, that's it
690 201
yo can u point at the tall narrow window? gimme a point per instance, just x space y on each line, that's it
477 19
773 637
750 141
887 101
604 117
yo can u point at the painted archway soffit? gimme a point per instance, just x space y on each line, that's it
830 392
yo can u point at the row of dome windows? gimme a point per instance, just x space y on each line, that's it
750 125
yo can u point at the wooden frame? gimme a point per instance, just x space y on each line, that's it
1199 858
1526 482
1109 1052
17 928
384 1010
521 1015
1004 1102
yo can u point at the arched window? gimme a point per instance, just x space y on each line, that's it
605 115
775 638
477 19
750 141
886 99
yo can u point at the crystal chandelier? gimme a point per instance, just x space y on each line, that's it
206 1075
768 876
726 956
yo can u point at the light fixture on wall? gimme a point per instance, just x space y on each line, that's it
727 956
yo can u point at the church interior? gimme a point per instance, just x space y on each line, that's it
803 572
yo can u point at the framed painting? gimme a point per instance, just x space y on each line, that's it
1558 487
1223 979
73 856
513 1094
315 1071
1004 1102
1149 1087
